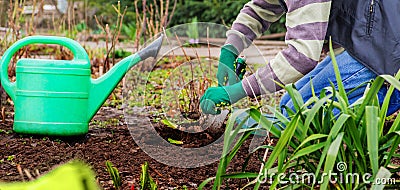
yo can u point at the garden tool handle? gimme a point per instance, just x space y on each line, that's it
78 51
240 63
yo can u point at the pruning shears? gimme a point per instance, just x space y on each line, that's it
240 66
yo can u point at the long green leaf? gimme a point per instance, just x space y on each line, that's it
281 159
281 144
392 80
311 114
331 159
293 186
344 106
144 176
332 135
390 154
241 175
396 124
340 85
385 106
177 142
230 132
372 121
278 115
307 150
264 122
297 99
370 95
354 132
385 139
238 145
230 136
310 138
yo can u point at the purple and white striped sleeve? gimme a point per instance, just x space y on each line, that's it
306 22
253 20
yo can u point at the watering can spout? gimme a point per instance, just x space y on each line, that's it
152 49
103 86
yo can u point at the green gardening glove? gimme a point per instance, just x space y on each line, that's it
226 68
215 97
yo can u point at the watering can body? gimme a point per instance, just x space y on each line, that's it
59 97
52 97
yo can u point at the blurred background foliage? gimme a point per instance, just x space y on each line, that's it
116 20
215 11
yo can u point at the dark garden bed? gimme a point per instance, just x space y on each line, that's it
108 139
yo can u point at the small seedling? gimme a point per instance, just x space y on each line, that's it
172 141
6 132
10 158
114 173
58 141
146 181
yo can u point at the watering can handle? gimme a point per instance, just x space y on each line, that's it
77 50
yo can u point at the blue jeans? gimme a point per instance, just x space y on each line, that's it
353 74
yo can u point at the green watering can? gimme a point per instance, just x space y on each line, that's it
59 97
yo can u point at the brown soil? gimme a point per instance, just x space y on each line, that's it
112 142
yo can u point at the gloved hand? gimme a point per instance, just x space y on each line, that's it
226 68
221 96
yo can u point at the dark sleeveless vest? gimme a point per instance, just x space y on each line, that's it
369 30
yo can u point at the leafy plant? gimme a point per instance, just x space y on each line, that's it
146 181
10 158
81 27
129 30
315 140
114 173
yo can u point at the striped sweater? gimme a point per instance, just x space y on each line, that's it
306 23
